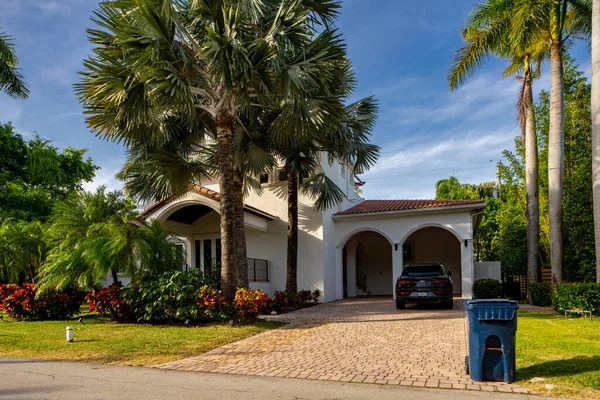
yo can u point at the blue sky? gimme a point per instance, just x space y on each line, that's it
401 51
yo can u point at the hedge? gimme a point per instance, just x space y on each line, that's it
487 289
541 294
571 296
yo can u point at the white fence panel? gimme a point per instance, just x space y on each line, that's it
488 270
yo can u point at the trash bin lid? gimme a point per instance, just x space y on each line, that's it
492 310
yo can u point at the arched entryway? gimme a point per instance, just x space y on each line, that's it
435 244
367 265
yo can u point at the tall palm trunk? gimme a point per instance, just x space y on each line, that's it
291 282
556 160
115 276
596 126
241 253
531 183
229 225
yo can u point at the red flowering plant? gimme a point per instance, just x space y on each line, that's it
110 301
248 303
24 303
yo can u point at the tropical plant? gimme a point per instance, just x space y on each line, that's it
555 23
596 127
347 142
490 31
11 79
166 72
94 235
23 250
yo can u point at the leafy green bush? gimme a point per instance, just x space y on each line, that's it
570 296
487 289
171 297
541 294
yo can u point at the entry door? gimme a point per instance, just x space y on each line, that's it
207 253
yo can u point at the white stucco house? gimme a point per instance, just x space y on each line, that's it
358 248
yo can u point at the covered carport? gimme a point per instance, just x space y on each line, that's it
375 239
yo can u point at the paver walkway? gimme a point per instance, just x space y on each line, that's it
358 340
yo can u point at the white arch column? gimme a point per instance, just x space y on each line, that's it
351 246
397 265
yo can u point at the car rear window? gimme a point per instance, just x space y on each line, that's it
423 270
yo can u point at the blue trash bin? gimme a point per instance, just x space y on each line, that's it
492 331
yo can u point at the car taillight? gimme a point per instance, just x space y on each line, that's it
440 293
441 281
403 293
403 282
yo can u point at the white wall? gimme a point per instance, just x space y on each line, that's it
373 256
398 227
264 239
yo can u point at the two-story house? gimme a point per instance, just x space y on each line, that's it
358 248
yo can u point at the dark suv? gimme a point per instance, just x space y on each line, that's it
424 283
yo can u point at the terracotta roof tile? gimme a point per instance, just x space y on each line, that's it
375 206
209 193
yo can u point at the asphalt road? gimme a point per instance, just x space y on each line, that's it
35 379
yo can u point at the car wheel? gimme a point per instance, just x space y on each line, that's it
400 304
449 305
467 365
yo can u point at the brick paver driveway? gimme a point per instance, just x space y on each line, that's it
358 340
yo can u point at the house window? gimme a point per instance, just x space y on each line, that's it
264 178
207 253
197 244
343 170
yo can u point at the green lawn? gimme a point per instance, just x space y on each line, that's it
565 353
101 341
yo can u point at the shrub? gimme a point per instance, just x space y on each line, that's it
20 303
283 301
213 304
541 294
570 296
487 289
171 297
109 301
248 303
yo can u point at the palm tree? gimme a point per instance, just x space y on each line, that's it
596 127
555 22
95 235
169 71
22 250
490 30
11 79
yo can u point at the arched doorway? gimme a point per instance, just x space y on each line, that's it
435 244
367 265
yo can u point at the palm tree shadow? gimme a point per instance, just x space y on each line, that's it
571 366
306 218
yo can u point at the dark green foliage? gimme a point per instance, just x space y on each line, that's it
571 296
34 175
487 289
171 297
284 302
541 294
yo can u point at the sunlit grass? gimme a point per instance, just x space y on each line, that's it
566 353
102 341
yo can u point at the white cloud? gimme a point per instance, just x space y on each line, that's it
106 177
